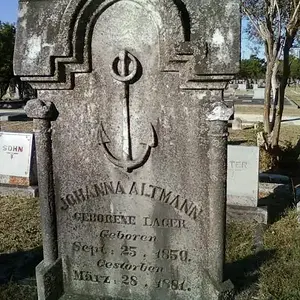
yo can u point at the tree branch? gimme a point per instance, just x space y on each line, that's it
295 13
258 26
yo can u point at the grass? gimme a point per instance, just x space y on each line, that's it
19 224
14 291
280 276
17 126
247 136
20 235
293 93
259 110
272 272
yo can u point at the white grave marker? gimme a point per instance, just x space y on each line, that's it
15 158
259 93
242 175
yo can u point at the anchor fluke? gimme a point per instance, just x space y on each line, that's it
129 164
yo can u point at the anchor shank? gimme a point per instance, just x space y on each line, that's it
127 147
124 66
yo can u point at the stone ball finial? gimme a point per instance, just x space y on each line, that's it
38 109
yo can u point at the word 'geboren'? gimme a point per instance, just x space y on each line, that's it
140 189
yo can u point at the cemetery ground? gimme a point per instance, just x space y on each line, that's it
262 261
293 93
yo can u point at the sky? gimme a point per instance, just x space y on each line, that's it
9 10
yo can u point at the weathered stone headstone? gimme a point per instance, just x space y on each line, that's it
242 86
237 124
242 175
243 185
131 132
18 165
259 93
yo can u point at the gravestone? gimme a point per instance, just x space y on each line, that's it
131 136
242 86
18 164
243 184
259 93
237 124
242 175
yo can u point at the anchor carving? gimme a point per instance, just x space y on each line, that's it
125 68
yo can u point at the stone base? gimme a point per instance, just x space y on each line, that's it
223 291
19 191
49 281
247 213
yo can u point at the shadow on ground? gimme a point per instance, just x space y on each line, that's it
236 142
278 203
244 273
17 266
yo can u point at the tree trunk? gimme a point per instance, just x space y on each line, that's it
281 94
274 109
275 91
267 100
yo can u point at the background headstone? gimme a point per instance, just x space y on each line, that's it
242 175
259 93
242 86
17 158
237 124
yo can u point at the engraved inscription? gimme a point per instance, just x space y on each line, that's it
171 254
172 284
154 192
92 250
164 223
143 267
110 258
88 276
120 256
120 235
128 251
107 219
237 165
163 283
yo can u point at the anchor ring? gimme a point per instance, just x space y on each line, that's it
122 57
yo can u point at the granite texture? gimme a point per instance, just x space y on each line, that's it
133 165
49 280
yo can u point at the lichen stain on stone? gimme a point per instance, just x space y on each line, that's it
21 15
201 96
155 15
22 11
112 209
230 37
33 52
230 7
218 38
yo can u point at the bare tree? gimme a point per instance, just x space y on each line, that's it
275 23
